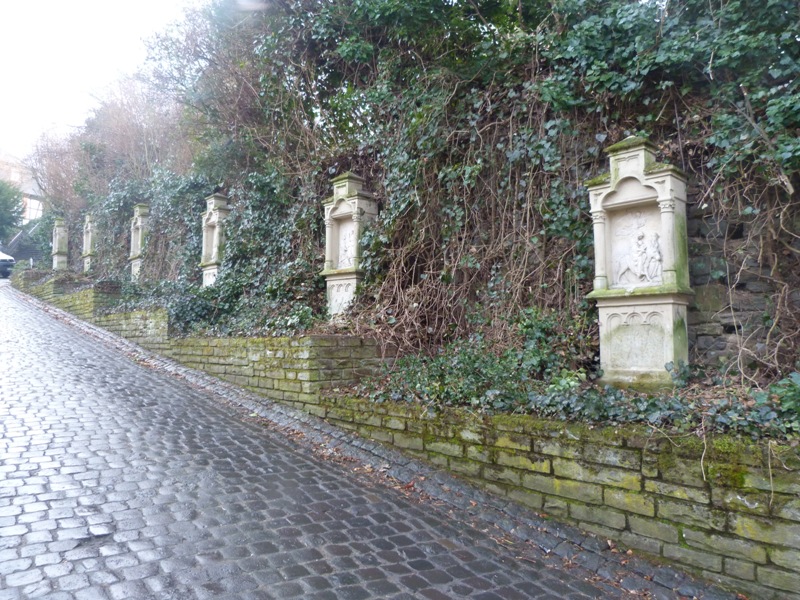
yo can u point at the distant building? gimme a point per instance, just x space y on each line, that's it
14 172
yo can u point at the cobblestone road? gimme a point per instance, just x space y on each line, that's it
119 481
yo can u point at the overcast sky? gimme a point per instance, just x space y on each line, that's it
58 56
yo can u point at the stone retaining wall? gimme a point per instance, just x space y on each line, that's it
727 509
290 370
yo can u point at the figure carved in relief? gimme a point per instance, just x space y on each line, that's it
347 252
652 261
642 262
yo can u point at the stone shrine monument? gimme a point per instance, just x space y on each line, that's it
138 233
641 282
345 214
88 243
213 238
60 257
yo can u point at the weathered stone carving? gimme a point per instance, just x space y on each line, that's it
60 260
217 211
641 282
139 225
345 214
88 243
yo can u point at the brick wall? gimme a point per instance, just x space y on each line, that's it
727 509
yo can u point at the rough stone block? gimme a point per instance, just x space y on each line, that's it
340 414
527 497
522 461
577 490
503 475
781 483
373 433
557 448
394 423
363 352
599 530
439 460
479 453
786 507
640 542
740 501
629 501
613 457
776 578
447 448
693 558
781 533
494 488
407 441
316 410
739 568
440 428
557 507
725 545
682 471
466 467
666 532
692 494
595 514
471 435
570 469
512 423
788 559
696 515
515 441
288 386
368 419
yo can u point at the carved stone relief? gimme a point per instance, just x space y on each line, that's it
635 250
639 337
340 295
347 245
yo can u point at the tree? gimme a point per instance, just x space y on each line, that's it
10 209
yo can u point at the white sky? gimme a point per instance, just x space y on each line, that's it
58 56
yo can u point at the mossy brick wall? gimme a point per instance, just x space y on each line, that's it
293 371
725 508
66 294
289 370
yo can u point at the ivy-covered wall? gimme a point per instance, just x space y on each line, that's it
725 508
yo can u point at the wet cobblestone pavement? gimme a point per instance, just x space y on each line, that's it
122 480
